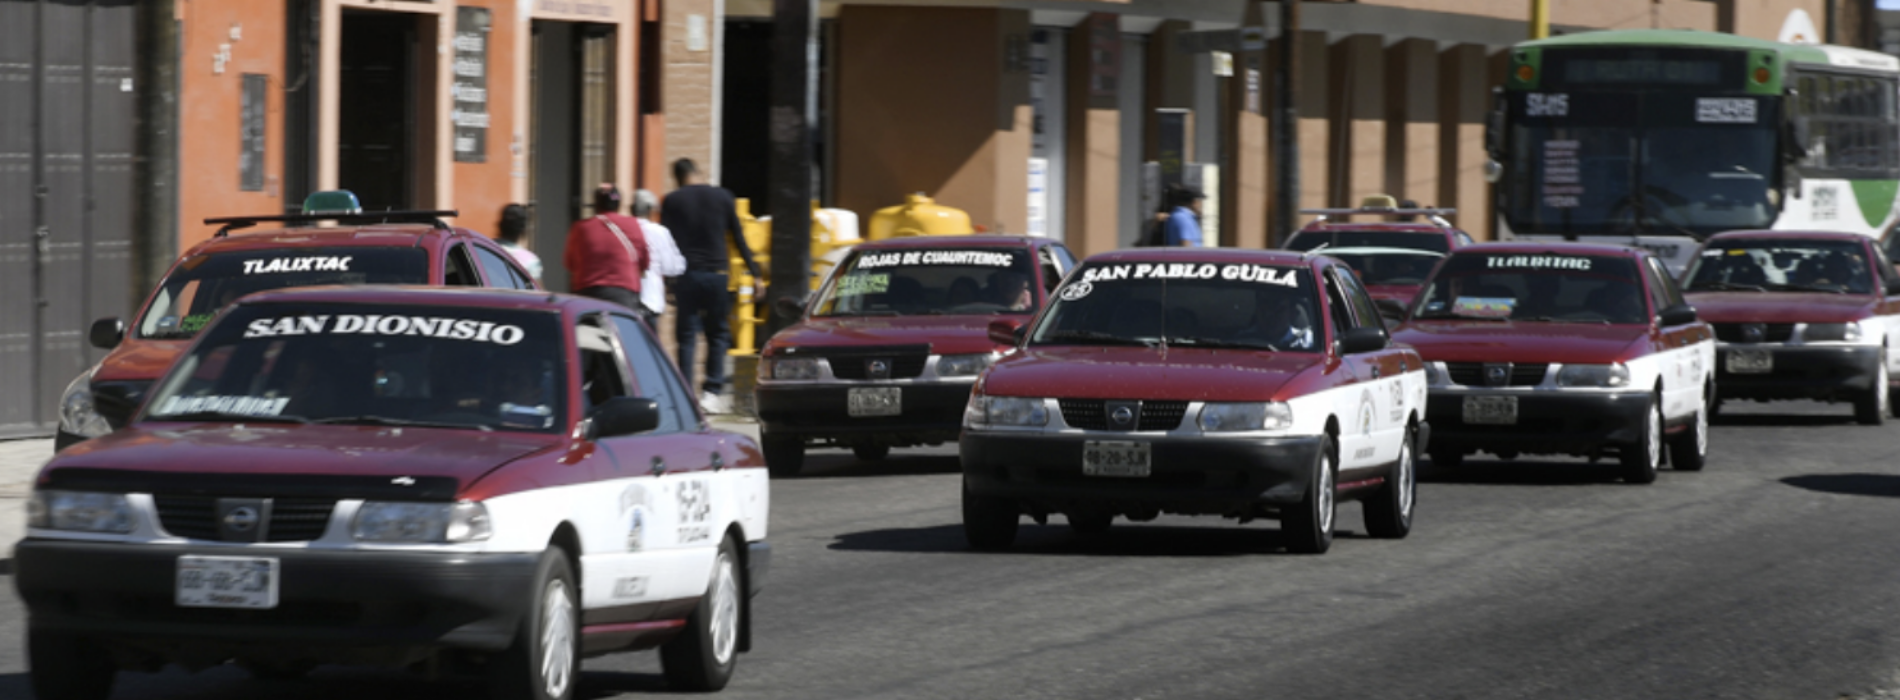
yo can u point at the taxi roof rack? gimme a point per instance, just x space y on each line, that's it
1435 215
430 217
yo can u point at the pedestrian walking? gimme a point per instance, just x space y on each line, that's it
606 253
1183 227
666 261
514 225
702 219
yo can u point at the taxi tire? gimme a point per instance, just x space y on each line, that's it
1689 450
989 523
1389 510
1871 408
784 454
691 660
68 667
1642 460
1308 525
519 671
870 453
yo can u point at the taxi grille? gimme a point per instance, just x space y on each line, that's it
902 366
1738 332
1092 414
1472 373
291 519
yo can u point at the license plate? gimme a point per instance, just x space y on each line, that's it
1750 361
1115 458
227 582
876 401
1491 410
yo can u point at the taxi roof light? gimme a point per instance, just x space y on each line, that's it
332 202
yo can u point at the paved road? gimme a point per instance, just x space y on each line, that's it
1773 574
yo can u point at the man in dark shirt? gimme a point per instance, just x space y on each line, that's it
702 218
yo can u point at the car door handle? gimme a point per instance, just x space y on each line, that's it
718 461
659 467
1375 371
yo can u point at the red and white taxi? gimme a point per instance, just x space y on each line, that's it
1563 349
1800 315
885 353
481 480
1197 381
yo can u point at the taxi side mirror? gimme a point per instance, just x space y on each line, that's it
1678 315
1360 340
623 415
1006 331
788 307
106 333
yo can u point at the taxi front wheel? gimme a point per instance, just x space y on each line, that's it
1389 510
1308 526
702 657
784 454
989 522
68 667
1871 408
1643 459
544 661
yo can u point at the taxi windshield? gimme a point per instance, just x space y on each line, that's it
1372 238
451 367
203 284
1242 306
1388 266
1542 287
932 281
1782 265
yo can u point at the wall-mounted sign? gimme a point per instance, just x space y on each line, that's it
470 115
252 105
1105 54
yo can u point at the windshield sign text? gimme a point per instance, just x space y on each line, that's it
1541 262
312 264
1191 271
936 257
373 324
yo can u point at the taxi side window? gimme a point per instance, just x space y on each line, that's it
460 271
1464 239
1361 300
1888 275
1662 291
1063 256
1051 272
1337 305
497 270
654 377
601 375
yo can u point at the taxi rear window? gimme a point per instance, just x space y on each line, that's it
203 284
453 367
1541 287
1415 240
1241 306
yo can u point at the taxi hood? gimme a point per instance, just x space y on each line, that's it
204 455
1123 372
138 359
1780 307
946 335
1513 341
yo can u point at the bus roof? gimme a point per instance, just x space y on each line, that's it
1800 53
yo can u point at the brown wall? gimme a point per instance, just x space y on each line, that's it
481 189
687 91
208 141
924 105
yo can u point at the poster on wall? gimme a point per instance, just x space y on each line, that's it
1039 196
1105 54
252 102
470 115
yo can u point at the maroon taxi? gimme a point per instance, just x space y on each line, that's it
884 354
475 481
1800 315
379 248
1588 350
1197 381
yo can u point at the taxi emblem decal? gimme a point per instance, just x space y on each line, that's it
241 519
1497 374
1123 415
1076 291
1754 332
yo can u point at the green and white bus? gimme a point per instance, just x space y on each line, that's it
1664 137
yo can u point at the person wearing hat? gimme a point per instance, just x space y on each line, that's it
1183 227
606 253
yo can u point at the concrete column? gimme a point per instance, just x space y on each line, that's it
1245 183
1094 132
1463 98
1411 121
1315 103
1359 136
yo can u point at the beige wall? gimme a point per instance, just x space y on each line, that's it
688 98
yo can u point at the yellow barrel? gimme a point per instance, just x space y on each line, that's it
919 215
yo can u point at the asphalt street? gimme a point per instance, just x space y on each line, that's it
1773 574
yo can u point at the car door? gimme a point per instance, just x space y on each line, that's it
1684 352
1886 320
1381 372
498 271
1353 393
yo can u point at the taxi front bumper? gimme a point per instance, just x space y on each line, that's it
1190 474
329 602
931 412
1548 422
1828 373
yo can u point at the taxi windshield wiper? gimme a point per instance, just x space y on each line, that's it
398 422
1810 288
1191 341
228 416
1096 336
1458 316
1728 286
866 312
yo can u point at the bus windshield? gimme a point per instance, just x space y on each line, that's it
1653 162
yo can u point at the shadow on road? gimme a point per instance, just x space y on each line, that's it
1848 484
1479 470
833 466
1780 420
1218 539
607 684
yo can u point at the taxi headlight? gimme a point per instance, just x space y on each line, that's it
1242 417
791 368
421 522
963 365
1825 332
1594 375
81 511
1009 411
76 414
